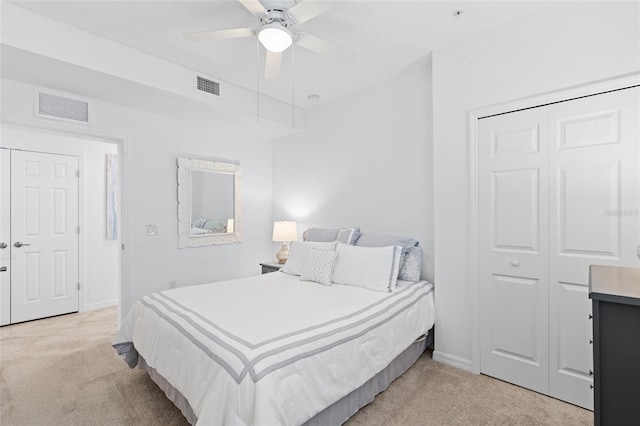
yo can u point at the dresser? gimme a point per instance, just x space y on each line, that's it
615 294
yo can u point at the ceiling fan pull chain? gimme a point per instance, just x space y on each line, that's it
257 79
293 90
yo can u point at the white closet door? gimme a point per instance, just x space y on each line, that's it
5 236
593 208
514 247
44 237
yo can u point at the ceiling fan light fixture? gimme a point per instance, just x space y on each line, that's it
275 38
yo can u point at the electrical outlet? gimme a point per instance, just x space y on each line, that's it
173 283
151 230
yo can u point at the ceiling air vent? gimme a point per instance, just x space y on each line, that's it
208 86
61 107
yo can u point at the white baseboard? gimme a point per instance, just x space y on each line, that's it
99 305
452 360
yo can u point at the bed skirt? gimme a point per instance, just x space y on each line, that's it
340 411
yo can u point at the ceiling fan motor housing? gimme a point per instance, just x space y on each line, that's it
278 17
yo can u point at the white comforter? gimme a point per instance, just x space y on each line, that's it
272 349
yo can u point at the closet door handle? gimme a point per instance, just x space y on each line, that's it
3 245
19 244
3 269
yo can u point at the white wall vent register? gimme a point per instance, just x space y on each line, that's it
61 107
208 86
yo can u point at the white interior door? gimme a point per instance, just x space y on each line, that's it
513 248
44 235
5 236
594 204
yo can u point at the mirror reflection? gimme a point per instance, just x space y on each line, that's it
211 203
208 202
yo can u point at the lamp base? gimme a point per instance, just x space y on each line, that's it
283 254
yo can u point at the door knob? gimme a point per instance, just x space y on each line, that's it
515 262
3 245
19 244
3 269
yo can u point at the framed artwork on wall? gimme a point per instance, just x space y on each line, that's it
111 175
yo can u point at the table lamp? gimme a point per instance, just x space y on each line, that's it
284 232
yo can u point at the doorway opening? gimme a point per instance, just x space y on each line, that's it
98 243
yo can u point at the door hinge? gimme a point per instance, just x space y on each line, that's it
77 173
78 286
123 247
77 229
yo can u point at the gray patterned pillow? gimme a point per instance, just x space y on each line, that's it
320 234
342 235
383 240
411 267
348 235
319 266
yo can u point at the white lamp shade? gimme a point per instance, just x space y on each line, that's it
285 231
275 38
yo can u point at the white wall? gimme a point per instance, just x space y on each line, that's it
100 258
151 146
363 160
567 44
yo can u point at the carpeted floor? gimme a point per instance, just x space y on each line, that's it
63 371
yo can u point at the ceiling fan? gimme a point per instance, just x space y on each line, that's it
274 32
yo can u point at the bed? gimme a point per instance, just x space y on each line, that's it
279 349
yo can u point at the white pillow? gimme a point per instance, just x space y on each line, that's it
319 266
375 268
298 252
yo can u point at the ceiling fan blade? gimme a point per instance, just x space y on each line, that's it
254 6
323 47
272 65
219 34
307 10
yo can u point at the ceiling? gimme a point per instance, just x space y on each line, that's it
387 37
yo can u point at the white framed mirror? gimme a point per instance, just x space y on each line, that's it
208 202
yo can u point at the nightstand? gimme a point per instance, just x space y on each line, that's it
271 267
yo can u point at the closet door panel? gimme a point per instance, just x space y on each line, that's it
593 210
513 248
584 194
